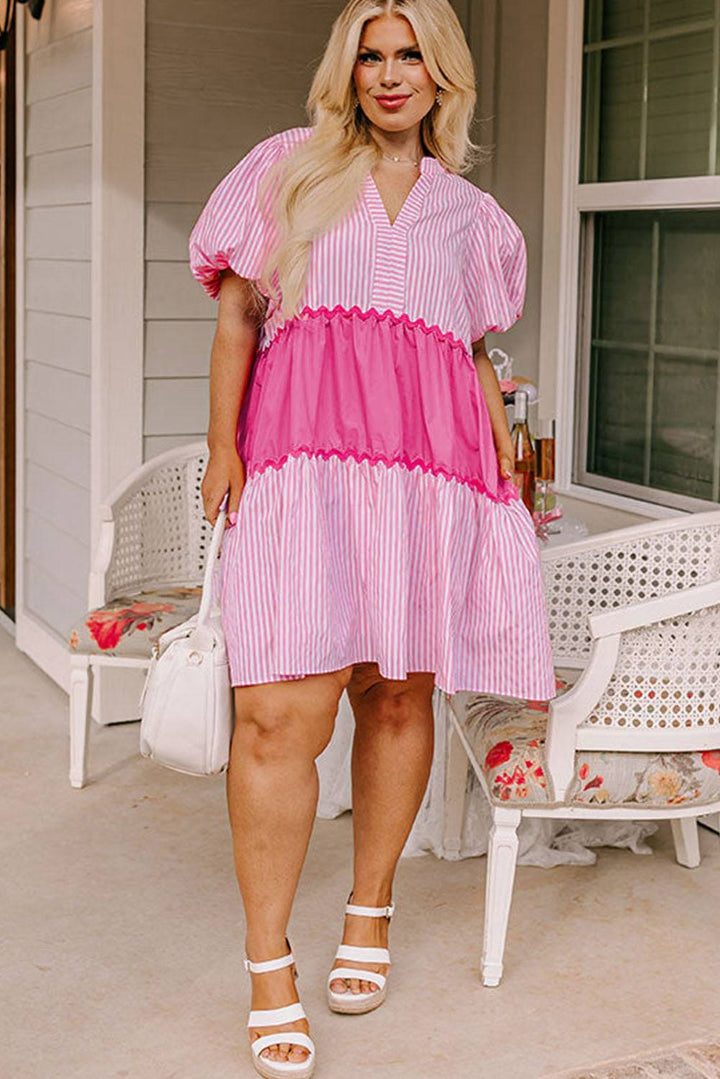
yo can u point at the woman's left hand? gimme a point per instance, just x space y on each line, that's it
506 465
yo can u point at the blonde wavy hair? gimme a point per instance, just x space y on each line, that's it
317 184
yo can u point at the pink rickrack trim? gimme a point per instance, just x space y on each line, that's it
370 313
378 458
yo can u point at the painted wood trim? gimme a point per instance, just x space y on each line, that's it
684 192
44 647
558 305
619 502
20 20
117 244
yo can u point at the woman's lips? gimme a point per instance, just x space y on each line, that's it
392 102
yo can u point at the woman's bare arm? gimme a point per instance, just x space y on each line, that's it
496 408
231 358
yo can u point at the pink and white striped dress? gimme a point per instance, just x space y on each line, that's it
374 523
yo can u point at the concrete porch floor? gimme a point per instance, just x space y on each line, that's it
124 937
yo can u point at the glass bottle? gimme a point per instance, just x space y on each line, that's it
545 459
523 452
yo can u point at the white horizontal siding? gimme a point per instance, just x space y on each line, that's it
57 394
210 66
59 178
50 599
58 133
173 174
58 286
57 232
60 19
56 553
60 67
272 16
167 227
176 406
155 444
172 292
56 499
60 449
60 340
59 123
178 347
220 78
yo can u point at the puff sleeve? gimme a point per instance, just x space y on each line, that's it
496 270
231 230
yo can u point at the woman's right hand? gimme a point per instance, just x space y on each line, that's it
225 472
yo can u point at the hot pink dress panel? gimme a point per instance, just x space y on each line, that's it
374 523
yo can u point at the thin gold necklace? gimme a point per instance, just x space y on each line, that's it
394 157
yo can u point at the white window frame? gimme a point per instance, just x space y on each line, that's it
565 199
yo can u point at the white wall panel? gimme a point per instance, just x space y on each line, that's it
58 286
50 599
57 394
57 232
63 66
61 340
58 178
56 499
60 19
172 292
155 444
210 65
57 219
56 552
60 449
58 123
175 406
178 347
167 227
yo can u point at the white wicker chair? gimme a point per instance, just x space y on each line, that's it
635 620
153 539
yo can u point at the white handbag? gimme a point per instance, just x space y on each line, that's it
186 703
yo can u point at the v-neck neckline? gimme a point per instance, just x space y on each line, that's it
409 209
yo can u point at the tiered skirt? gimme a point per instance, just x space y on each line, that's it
374 524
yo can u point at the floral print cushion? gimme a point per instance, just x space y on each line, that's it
508 739
130 625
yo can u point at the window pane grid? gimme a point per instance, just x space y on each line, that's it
679 30
652 398
650 106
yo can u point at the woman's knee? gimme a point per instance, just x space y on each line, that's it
395 705
283 720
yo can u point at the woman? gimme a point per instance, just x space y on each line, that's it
376 543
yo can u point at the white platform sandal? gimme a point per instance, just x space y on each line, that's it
270 1017
348 1002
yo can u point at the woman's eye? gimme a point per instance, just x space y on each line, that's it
410 54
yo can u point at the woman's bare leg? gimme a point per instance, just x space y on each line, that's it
391 761
272 787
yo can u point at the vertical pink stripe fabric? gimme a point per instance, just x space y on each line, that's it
374 524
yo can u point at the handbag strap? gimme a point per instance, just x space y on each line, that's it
212 556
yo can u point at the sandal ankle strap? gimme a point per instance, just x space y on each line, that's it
269 964
370 912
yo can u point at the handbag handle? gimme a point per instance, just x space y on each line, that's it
212 555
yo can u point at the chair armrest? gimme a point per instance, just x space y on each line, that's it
649 611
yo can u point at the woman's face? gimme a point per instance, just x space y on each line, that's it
389 63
